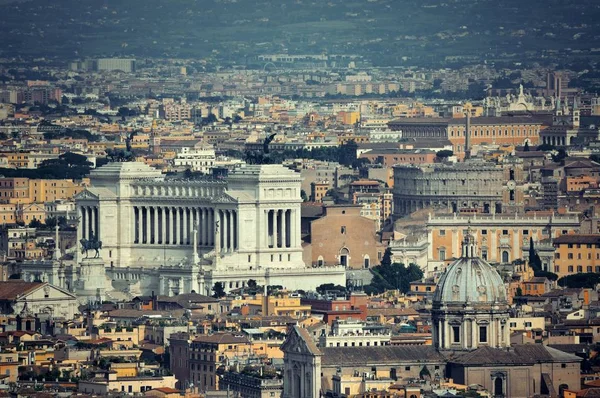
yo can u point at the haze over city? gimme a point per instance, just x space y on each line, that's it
299 199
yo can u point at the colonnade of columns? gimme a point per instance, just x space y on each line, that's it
279 228
228 235
553 140
89 222
470 333
173 225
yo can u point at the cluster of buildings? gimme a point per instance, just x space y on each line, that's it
182 266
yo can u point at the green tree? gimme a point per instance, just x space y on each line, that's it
393 277
35 223
347 153
545 147
526 147
325 287
50 222
386 260
303 195
587 280
443 154
519 292
218 290
559 156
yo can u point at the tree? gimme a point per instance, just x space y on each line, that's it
519 292
303 195
393 277
526 147
50 222
545 147
347 154
443 154
386 260
35 223
218 290
325 287
535 261
587 280
559 156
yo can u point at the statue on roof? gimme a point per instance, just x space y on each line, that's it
255 157
91 244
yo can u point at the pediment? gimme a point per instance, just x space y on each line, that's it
298 344
86 195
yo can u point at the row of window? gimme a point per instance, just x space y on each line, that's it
570 268
579 257
456 338
442 232
517 132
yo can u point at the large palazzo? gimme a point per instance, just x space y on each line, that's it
177 236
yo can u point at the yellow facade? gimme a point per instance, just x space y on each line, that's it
576 254
348 118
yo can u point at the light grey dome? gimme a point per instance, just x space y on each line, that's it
470 280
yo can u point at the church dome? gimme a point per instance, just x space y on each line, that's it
470 280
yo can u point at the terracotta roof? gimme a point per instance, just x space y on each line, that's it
578 239
130 313
590 392
223 338
392 311
308 340
11 290
524 354
334 356
166 390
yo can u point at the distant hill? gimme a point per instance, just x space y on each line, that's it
385 31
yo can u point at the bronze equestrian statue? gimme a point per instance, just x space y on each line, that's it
92 244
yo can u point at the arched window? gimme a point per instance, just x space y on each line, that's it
320 261
367 261
344 256
505 256
498 387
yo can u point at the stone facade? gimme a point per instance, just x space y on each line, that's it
178 236
343 236
473 185
500 238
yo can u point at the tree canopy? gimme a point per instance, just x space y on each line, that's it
395 276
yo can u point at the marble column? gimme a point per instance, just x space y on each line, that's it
174 226
155 220
474 337
167 213
82 226
236 231
148 225
135 222
202 228
97 220
210 223
92 221
230 236
283 228
163 226
267 236
225 233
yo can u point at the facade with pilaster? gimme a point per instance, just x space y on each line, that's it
189 234
501 238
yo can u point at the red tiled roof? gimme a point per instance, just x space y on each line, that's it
11 290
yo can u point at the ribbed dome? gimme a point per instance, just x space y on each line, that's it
470 279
